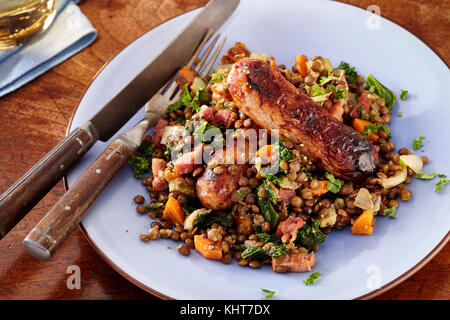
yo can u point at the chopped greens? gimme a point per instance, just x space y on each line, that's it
341 94
400 114
259 253
216 78
350 73
440 184
212 132
403 94
265 204
312 278
374 128
139 165
205 220
310 236
374 86
325 80
426 176
390 212
186 100
269 295
335 184
417 143
241 194
141 161
154 205
284 154
183 101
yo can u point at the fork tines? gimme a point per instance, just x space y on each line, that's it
199 62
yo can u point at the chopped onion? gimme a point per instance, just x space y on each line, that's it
288 184
328 219
390 182
413 162
377 204
190 219
172 134
364 200
197 84
250 243
260 56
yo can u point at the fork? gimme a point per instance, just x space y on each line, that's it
54 228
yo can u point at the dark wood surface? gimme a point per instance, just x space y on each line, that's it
34 119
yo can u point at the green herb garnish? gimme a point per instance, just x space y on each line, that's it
417 143
391 212
310 236
440 184
312 278
269 295
335 184
400 115
403 94
350 73
376 87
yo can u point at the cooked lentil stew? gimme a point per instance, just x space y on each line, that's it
277 206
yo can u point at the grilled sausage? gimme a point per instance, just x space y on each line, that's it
263 94
214 190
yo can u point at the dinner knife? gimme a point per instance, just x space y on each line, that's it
23 195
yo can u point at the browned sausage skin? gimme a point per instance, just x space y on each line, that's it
263 94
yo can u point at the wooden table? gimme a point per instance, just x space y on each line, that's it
35 117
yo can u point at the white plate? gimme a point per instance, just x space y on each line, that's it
351 266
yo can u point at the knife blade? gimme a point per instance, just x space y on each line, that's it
23 195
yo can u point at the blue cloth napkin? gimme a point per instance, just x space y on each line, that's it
69 33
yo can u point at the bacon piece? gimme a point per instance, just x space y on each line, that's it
263 94
289 226
294 262
207 114
159 183
188 161
158 131
225 117
286 194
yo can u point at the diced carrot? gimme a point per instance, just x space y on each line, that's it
169 175
265 153
173 212
364 223
322 189
238 52
300 65
185 75
208 248
243 224
360 125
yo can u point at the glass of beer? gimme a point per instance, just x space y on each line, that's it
21 20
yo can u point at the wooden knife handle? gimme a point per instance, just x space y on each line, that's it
45 238
21 197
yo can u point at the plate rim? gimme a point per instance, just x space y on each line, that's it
390 285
